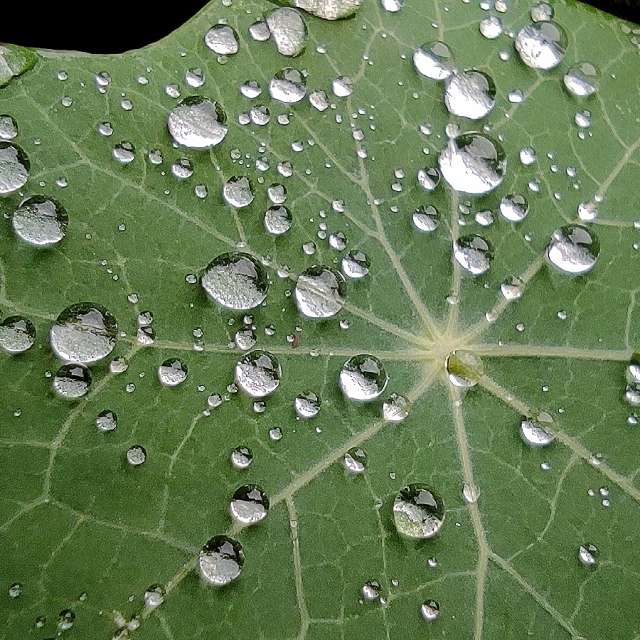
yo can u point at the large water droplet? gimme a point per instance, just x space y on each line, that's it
363 378
277 220
222 39
84 332
328 9
355 264
14 168
434 60
72 381
237 192
17 334
418 512
307 405
288 31
535 432
136 455
258 373
221 561
473 253
241 458
197 123
573 249
473 163
541 45
288 86
581 80
320 292
172 372
106 421
40 221
470 94
426 218
236 281
249 504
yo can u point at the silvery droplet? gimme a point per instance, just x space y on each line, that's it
241 458
154 596
288 85
426 218
542 11
429 178
236 281
222 39
172 372
320 292
237 192
430 610
392 6
512 288
258 373
371 591
197 123
288 31
307 405
8 127
573 249
221 561
588 555
72 381
542 45
17 334
328 9
84 332
14 168
473 253
491 27
464 369
40 221
355 461
434 60
278 220
363 378
355 264
395 408
470 94
473 163
514 207
582 79
342 87
418 512
535 432
249 505
136 455
106 421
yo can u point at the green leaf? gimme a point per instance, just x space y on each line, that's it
14 61
76 518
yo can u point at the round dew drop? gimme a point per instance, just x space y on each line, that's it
241 458
355 461
249 505
40 221
356 264
221 561
426 218
418 512
573 249
470 94
84 332
197 123
236 281
535 432
136 455
238 192
582 79
395 408
17 334
473 253
307 405
288 86
72 381
106 421
14 168
434 60
588 555
172 372
258 374
363 378
222 39
288 31
277 220
430 610
464 369
542 45
320 292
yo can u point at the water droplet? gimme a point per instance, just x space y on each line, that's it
473 163
221 561
124 152
395 408
573 249
15 590
197 123
40 221
288 31
535 432
418 512
241 458
588 555
235 281
14 167
392 6
426 218
355 460
470 493
106 421
307 405
288 86
172 372
512 288
342 86
154 596
72 381
320 292
429 178
66 619
430 610
582 79
542 11
356 264
371 591
363 378
328 9
434 60
514 207
238 192
473 253
470 94
17 334
541 45
258 373
84 332
464 369
249 505
8 127
491 27
222 39
136 455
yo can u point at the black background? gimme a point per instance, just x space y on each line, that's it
113 26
